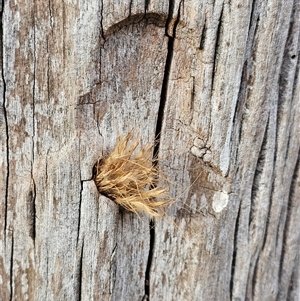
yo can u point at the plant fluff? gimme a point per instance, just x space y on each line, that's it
130 178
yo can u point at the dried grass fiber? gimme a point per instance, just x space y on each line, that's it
129 177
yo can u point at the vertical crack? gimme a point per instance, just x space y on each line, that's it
147 2
11 267
33 188
51 15
101 21
80 273
31 210
5 117
34 212
217 46
159 124
102 41
149 262
234 253
164 89
203 37
79 211
193 95
130 8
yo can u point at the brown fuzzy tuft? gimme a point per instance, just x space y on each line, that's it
130 178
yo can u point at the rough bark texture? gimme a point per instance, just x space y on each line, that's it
219 80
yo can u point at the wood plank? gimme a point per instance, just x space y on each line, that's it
218 81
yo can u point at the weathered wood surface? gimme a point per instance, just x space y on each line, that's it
219 80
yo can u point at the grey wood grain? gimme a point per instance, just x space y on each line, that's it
216 83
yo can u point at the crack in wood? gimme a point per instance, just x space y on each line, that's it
79 212
233 261
147 2
193 93
252 15
217 46
203 37
80 273
149 262
31 210
32 193
5 120
11 267
159 125
102 30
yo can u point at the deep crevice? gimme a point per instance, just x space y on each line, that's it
5 119
33 230
130 8
164 90
34 212
101 23
80 273
147 2
163 97
203 37
193 95
234 252
149 262
159 125
170 15
253 8
217 46
79 212
11 267
31 210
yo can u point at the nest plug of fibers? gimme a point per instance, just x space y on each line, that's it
130 178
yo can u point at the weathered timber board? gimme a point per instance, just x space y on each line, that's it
219 80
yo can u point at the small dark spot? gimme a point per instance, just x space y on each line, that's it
293 56
166 236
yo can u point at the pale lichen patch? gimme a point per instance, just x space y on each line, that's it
220 201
